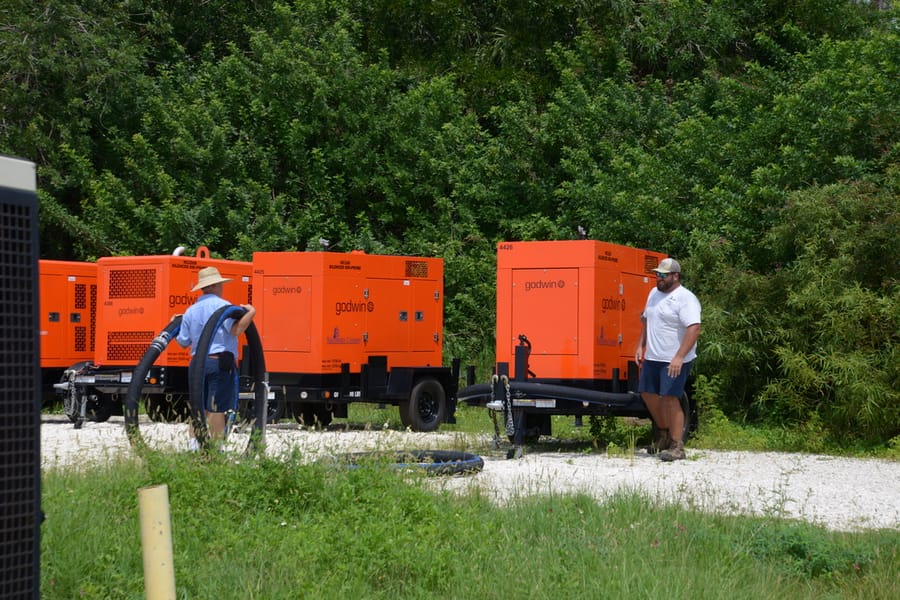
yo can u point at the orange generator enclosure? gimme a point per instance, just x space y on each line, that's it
578 303
68 307
138 295
319 310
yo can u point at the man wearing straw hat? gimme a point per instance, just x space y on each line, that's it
219 389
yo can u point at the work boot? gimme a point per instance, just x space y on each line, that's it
675 452
661 441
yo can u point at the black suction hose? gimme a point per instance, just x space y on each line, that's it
257 362
157 346
160 343
196 376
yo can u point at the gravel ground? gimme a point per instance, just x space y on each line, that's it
839 493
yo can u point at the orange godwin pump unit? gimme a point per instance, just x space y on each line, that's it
577 302
140 294
568 325
68 299
342 327
136 297
68 311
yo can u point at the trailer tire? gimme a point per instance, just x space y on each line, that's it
531 436
426 406
99 409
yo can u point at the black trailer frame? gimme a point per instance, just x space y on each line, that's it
426 396
314 398
528 402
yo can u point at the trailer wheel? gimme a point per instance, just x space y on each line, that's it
99 408
426 406
531 436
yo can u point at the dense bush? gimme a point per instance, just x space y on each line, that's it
817 338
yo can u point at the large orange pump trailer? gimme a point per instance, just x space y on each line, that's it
67 317
135 297
568 321
344 327
335 328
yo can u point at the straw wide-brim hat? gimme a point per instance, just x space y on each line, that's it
208 276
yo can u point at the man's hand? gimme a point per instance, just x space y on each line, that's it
241 325
675 366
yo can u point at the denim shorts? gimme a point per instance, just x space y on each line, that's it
655 378
219 390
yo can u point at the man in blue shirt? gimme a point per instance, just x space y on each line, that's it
219 393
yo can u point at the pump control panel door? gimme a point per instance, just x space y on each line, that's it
288 313
67 333
544 308
388 309
633 300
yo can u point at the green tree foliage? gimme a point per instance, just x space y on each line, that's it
816 338
733 135
72 71
837 352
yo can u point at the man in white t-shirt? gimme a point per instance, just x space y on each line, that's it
668 347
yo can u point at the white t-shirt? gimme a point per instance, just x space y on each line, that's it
668 316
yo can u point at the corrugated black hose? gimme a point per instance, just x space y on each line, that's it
132 397
257 369
253 354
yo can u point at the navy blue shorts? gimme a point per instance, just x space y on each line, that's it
655 378
219 389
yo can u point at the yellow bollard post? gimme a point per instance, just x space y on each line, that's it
156 543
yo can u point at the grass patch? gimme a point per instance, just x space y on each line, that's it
287 529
